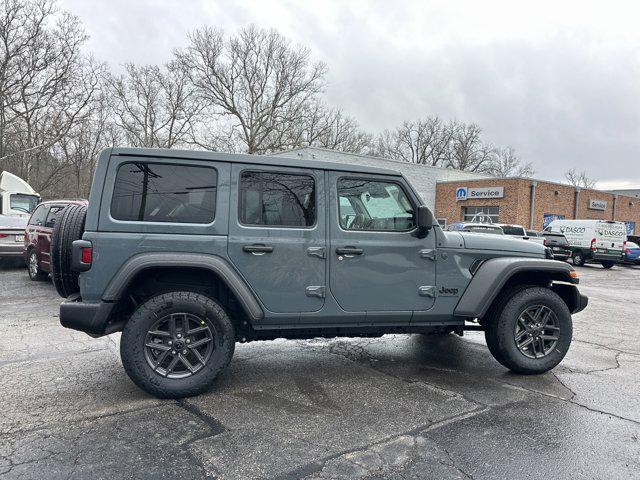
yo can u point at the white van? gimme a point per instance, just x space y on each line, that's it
600 241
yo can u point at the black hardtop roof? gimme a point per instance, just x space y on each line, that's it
204 155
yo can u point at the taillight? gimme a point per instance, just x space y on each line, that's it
627 251
3 235
544 242
87 253
593 245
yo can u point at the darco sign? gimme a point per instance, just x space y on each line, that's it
464 193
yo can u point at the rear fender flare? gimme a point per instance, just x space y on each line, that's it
136 264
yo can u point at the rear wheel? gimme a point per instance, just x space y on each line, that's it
176 344
607 265
33 266
578 259
531 332
68 228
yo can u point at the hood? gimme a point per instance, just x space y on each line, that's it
482 241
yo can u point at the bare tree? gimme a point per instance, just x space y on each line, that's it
153 106
468 151
579 179
427 142
505 163
79 149
256 80
324 127
46 86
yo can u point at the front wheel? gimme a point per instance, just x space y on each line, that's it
608 265
531 332
176 344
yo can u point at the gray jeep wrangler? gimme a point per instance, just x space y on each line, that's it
188 253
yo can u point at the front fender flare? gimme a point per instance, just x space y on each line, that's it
494 273
213 263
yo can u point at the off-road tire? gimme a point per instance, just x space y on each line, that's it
36 273
501 324
68 228
578 259
607 265
134 336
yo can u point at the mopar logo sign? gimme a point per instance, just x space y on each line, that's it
461 193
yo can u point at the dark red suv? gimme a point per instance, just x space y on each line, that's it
37 238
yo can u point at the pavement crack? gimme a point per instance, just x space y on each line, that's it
617 360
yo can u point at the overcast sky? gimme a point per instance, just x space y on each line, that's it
559 81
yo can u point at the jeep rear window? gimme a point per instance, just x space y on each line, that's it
159 192
273 199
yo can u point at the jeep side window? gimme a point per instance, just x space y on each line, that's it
159 192
271 199
54 213
374 205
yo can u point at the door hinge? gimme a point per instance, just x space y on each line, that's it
428 253
427 291
319 252
315 291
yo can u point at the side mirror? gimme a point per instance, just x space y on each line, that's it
424 219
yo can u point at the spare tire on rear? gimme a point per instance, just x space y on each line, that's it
68 228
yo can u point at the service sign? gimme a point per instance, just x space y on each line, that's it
464 193
597 204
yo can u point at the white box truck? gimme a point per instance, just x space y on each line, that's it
601 241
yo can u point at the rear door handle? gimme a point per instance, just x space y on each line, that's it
257 249
349 251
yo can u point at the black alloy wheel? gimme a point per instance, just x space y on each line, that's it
179 345
537 331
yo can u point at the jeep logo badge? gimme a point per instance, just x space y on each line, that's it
447 292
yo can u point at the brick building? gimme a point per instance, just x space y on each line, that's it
532 203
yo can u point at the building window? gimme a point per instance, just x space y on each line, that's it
158 192
442 222
277 200
481 214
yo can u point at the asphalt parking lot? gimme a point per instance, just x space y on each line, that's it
392 407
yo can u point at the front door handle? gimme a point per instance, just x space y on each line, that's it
349 251
257 249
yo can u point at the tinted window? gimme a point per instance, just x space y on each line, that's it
154 192
39 215
374 205
54 213
513 230
277 199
